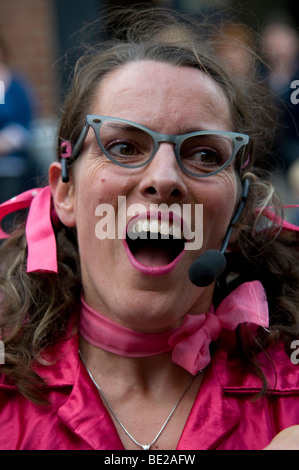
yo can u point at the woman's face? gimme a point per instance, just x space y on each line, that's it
136 289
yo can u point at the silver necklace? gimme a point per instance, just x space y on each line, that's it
143 446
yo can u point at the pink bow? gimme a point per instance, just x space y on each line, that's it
191 342
40 235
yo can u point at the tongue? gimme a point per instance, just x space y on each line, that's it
153 256
156 252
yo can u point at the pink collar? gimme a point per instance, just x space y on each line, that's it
190 342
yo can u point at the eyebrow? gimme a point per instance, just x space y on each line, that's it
125 127
131 128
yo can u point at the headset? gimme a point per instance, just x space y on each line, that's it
210 265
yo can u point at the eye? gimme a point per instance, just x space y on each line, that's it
206 152
206 156
122 149
124 143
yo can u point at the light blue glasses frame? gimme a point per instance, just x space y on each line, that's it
238 140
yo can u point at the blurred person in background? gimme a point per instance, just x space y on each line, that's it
280 48
16 114
235 45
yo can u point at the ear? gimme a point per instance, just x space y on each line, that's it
63 196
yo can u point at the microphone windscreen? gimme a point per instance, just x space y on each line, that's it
207 268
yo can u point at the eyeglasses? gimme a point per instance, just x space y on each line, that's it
130 145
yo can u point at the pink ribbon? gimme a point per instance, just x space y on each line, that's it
278 220
190 342
41 241
67 147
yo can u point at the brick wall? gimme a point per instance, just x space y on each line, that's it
28 29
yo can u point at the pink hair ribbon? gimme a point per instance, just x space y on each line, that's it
66 153
284 224
41 241
68 149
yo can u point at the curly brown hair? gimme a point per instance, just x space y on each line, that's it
36 308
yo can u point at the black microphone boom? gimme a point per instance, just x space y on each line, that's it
210 265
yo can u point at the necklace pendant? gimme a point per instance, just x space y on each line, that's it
145 446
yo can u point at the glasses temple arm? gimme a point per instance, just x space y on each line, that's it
66 160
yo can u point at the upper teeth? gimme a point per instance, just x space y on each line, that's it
154 227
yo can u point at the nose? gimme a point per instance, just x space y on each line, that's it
163 179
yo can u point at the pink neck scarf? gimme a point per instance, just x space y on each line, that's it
190 342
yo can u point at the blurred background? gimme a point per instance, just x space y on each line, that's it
36 35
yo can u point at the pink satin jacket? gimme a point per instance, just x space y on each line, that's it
224 415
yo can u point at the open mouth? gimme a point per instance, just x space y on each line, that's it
154 245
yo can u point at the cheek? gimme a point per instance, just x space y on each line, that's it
219 202
97 191
102 181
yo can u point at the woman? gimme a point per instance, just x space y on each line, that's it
108 346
